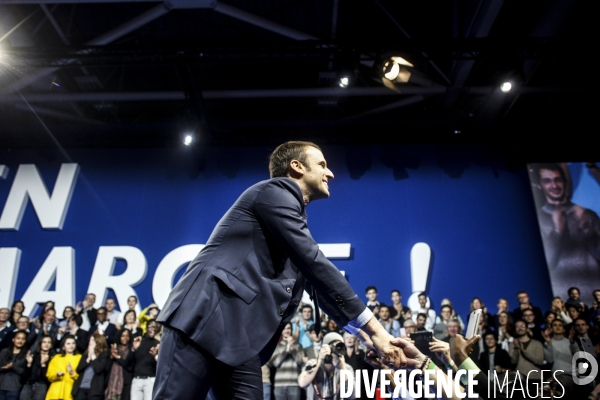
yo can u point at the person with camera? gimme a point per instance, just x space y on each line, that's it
324 372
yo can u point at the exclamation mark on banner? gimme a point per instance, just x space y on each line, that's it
420 260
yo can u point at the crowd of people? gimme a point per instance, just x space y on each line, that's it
87 353
104 353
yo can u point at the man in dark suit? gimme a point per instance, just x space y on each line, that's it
224 317
103 326
47 326
73 328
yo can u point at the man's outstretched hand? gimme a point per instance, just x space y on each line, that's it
460 347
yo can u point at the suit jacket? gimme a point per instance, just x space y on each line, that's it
35 337
245 285
501 358
109 333
101 365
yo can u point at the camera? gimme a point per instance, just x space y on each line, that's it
338 348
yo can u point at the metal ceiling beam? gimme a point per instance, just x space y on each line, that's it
104 39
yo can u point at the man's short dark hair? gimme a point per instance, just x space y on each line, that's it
421 315
521 292
422 294
493 333
396 291
306 306
370 288
549 166
558 320
77 319
382 306
282 156
446 306
103 309
573 288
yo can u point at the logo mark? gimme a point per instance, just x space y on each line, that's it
584 368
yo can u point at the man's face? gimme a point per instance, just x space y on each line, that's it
581 327
131 302
453 327
110 305
22 323
384 313
520 328
152 329
316 175
553 186
422 301
523 298
410 327
306 314
396 298
72 324
4 314
372 294
573 312
421 322
528 316
574 294
49 317
502 305
101 315
446 313
90 299
558 328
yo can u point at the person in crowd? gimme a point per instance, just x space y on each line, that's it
73 328
46 325
580 328
390 325
575 300
372 303
92 370
332 326
424 309
502 306
103 326
301 324
525 304
266 381
316 339
12 367
16 311
5 326
398 311
22 324
132 302
323 374
560 310
355 357
114 316
558 349
409 327
574 313
596 299
439 329
121 372
549 316
287 361
145 354
130 322
422 322
452 329
87 311
47 305
455 315
67 312
533 329
36 383
477 304
493 358
527 353
62 370
147 314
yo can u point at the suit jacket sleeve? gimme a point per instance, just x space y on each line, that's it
279 209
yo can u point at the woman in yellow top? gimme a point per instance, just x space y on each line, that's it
146 315
62 371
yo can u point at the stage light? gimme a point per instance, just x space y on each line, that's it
344 81
395 69
506 87
188 139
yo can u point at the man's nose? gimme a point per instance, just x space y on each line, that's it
329 174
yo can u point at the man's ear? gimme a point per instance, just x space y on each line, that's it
296 168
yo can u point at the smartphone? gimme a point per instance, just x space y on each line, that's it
473 323
422 340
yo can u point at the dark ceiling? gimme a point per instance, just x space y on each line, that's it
93 73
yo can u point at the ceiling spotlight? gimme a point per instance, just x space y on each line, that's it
344 81
391 70
188 139
395 69
505 87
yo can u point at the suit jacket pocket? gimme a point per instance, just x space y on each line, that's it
227 280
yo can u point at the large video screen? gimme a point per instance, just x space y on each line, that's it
567 198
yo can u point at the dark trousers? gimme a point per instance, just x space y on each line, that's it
9 394
186 371
36 391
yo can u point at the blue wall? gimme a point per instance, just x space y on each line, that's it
477 216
